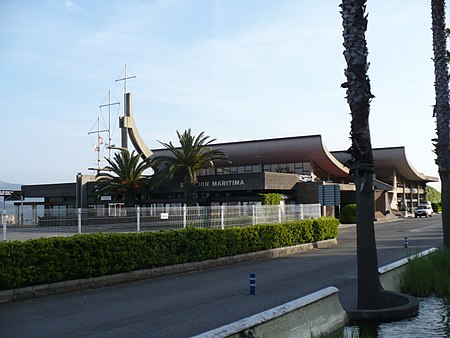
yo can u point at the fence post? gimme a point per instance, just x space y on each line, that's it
301 212
79 220
253 214
184 216
4 225
222 223
138 218
279 213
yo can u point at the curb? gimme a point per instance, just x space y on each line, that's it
316 315
398 306
30 292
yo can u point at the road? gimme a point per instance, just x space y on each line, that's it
187 304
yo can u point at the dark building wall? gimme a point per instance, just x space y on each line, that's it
306 193
347 197
50 190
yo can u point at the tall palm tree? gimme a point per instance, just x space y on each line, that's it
194 154
442 110
123 177
361 164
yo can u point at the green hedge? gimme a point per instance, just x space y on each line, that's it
49 260
348 214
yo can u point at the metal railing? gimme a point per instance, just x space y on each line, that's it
76 221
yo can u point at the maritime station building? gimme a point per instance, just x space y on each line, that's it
300 168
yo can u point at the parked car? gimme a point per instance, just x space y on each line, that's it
423 210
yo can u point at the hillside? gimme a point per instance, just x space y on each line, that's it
9 186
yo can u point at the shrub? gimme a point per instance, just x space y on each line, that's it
348 214
49 260
325 228
271 198
437 207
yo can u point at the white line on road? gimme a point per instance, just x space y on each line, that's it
427 228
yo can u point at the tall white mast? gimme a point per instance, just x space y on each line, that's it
123 120
109 104
97 147
125 78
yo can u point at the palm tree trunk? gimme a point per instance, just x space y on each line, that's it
361 166
445 200
442 110
190 192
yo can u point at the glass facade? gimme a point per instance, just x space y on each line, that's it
300 168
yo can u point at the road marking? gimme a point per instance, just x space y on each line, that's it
427 228
345 226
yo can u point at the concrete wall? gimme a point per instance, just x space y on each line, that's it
314 315
391 274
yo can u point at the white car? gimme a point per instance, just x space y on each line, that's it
423 210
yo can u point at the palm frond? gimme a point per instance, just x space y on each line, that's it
193 154
123 176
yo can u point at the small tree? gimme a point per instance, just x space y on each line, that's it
432 195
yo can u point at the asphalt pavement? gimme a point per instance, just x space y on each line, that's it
187 304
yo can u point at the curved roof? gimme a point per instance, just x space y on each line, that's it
386 159
280 150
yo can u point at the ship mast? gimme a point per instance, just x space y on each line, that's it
125 78
99 142
109 104
126 113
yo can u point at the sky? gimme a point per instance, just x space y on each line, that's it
237 70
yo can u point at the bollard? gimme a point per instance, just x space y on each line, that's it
406 242
252 283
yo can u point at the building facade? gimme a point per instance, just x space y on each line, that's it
300 168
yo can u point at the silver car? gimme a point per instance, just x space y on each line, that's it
423 210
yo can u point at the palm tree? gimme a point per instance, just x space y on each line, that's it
361 165
123 177
442 110
194 154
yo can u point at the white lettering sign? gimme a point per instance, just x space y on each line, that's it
227 183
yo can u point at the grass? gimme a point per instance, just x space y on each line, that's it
428 276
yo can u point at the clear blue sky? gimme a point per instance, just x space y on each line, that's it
238 70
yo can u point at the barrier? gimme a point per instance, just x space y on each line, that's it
391 274
314 315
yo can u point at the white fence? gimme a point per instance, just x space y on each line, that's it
117 219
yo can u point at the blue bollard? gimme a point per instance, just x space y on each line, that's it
406 242
252 283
